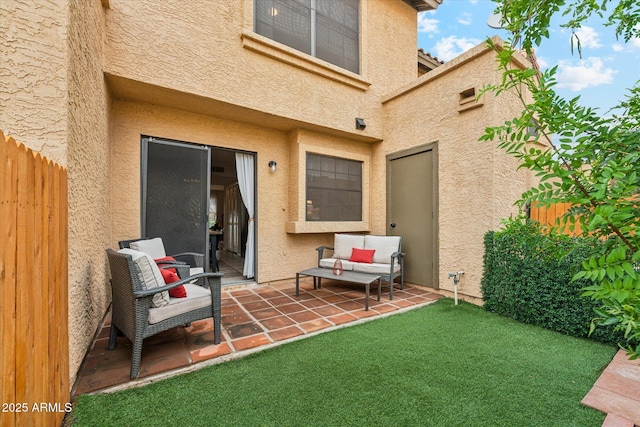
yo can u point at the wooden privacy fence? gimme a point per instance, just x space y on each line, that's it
33 288
548 215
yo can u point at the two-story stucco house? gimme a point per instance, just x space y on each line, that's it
283 121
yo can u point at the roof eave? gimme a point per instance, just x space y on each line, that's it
424 5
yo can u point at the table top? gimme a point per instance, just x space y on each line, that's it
346 276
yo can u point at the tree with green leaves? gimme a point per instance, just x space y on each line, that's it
590 160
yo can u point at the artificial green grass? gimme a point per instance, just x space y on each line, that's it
440 365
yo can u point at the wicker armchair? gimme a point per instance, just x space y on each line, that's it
133 311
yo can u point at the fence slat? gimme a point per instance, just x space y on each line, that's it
39 318
25 334
60 284
8 208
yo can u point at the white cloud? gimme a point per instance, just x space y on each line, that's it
465 19
617 47
452 46
586 73
542 62
427 24
588 37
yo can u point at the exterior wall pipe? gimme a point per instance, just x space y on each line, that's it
456 278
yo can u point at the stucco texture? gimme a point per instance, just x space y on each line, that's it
88 160
277 199
53 98
478 183
208 49
33 75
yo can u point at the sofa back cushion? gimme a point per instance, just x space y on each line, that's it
149 274
384 246
344 243
153 247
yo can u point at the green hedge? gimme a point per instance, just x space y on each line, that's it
527 279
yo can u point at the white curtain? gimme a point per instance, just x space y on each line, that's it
245 171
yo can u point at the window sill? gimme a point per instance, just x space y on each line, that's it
282 53
302 227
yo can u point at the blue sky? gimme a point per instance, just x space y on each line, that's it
607 67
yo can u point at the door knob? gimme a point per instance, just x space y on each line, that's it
393 225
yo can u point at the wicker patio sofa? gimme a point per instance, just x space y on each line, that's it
370 254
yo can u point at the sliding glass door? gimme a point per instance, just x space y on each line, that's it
175 194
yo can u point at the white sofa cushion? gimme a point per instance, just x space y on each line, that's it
328 263
150 274
375 268
197 297
344 243
384 246
153 247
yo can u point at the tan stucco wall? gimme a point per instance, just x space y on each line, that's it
243 91
276 197
33 75
478 183
209 49
53 99
88 160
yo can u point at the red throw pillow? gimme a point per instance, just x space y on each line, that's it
362 255
169 275
165 260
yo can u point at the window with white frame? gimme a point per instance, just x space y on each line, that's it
333 189
326 29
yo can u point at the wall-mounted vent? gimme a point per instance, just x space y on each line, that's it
218 169
467 100
468 95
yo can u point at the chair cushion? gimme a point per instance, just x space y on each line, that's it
328 263
362 255
153 247
150 275
375 268
344 243
384 246
197 297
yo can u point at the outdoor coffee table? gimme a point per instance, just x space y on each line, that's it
347 276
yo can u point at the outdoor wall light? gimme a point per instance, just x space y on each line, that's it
360 124
272 165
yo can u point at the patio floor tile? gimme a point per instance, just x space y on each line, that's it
315 325
252 317
243 330
286 333
277 322
304 316
342 318
266 313
210 352
250 342
328 310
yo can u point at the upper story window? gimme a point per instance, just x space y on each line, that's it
326 29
